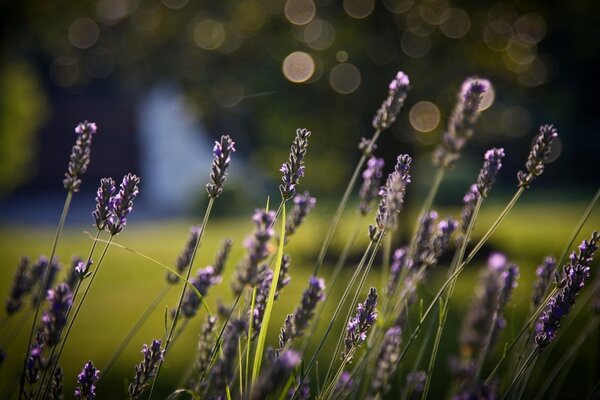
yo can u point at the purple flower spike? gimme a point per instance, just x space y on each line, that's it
303 203
371 183
122 203
466 215
344 387
204 279
293 169
80 155
491 165
359 325
55 318
20 287
277 375
56 385
87 380
310 298
222 158
387 113
386 361
260 305
105 193
37 273
538 155
184 259
399 262
544 272
224 369
82 269
575 272
146 370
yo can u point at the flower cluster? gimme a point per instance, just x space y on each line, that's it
491 166
277 374
146 370
55 318
222 152
359 325
121 204
305 311
223 371
80 155
185 257
544 273
538 155
466 215
303 203
20 287
204 279
293 169
386 361
391 106
105 193
87 379
371 184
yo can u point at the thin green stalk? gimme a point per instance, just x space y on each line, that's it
530 359
132 332
249 345
433 189
44 283
182 295
420 354
385 268
342 205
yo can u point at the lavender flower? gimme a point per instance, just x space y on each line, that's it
416 380
277 375
20 287
310 298
184 259
146 370
284 274
441 239
122 203
37 273
366 146
423 250
303 203
222 158
538 155
260 303
344 386
223 371
80 155
576 271
87 380
82 269
302 390
204 279
461 123
35 361
466 215
293 169
286 333
491 165
105 193
399 260
247 271
222 256
387 113
371 184
544 273
359 325
56 385
386 361
205 345
55 318
71 279
509 277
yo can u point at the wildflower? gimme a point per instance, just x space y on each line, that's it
80 155
82 269
303 203
204 279
20 287
122 204
223 371
310 298
206 343
387 113
423 242
87 380
56 385
55 318
302 390
386 361
222 256
359 325
371 184
461 123
286 333
41 267
491 165
260 303
256 244
538 155
544 273
466 215
416 380
366 146
184 259
105 193
575 272
35 361
277 375
284 274
441 238
398 262
293 169
222 157
71 279
146 370
344 386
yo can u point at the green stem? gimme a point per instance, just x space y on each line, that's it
342 205
182 295
249 347
525 366
59 229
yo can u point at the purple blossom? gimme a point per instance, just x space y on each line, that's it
366 146
544 273
56 385
293 169
222 152
466 215
359 325
35 361
41 267
575 272
82 269
310 298
146 370
55 318
399 261
303 203
122 204
416 380
20 287
387 361
87 379
80 155
284 274
538 156
461 123
344 386
185 257
441 238
260 303
204 279
391 106
423 247
206 343
277 375
286 333
224 368
222 256
105 193
491 165
371 184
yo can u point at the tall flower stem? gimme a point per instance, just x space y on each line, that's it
433 189
530 359
342 204
59 229
139 323
183 290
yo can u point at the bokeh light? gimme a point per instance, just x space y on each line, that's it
415 46
341 56
300 12
147 18
319 34
83 33
424 116
344 78
298 67
228 92
359 8
398 6
112 11
209 34
455 23
174 4
64 71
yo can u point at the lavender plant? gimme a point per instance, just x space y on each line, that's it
146 370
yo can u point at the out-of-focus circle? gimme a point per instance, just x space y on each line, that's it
300 12
359 8
521 52
174 4
416 24
488 95
209 34
516 121
530 28
99 62
344 78
298 67
398 6
147 18
341 56
319 34
455 23
249 15
496 35
429 15
111 11
83 33
535 75
64 71
424 116
415 46
228 92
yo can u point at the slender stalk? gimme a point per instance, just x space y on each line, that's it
134 329
433 189
59 229
249 347
385 268
342 205
182 295
526 364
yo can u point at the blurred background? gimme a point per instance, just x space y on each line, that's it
164 78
